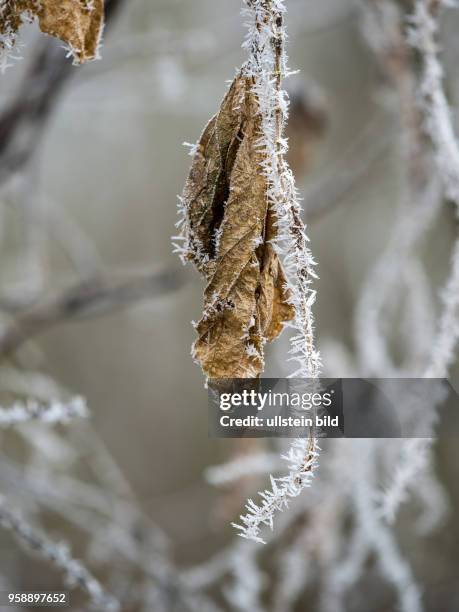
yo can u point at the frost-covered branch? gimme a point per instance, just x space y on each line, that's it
59 555
266 66
437 114
416 454
391 279
399 275
445 343
54 412
302 461
393 566
413 458
439 127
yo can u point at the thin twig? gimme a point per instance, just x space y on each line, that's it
89 298
58 554
54 412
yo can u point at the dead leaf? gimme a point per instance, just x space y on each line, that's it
230 228
78 23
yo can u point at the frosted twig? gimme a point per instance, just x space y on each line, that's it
413 458
302 461
208 573
438 125
393 566
416 453
437 115
54 412
267 64
58 554
435 502
390 279
445 342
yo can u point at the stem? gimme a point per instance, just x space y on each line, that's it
266 68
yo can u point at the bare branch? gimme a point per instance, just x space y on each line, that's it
58 554
89 298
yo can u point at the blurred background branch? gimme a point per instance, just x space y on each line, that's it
88 298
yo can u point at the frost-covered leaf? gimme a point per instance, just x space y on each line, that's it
78 23
229 231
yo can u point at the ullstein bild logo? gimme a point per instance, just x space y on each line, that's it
331 408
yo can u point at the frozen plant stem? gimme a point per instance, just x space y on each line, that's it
434 104
439 128
54 412
266 66
57 554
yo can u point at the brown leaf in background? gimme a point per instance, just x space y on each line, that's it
78 23
230 226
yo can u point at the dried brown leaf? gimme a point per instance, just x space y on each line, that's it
78 23
230 229
207 186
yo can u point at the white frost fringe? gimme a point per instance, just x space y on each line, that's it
437 115
267 64
54 412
